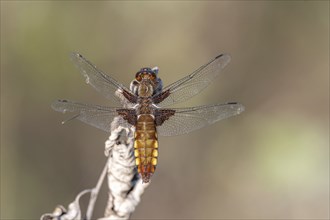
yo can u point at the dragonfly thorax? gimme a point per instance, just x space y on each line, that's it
145 88
145 106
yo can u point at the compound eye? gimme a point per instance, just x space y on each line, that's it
152 76
138 77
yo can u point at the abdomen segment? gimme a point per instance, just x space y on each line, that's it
146 146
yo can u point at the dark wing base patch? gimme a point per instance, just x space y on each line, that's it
162 115
161 96
128 114
129 96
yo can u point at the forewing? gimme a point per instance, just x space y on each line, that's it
194 83
186 120
100 81
97 116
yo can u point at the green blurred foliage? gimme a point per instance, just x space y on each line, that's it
270 162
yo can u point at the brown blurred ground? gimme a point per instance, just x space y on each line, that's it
270 162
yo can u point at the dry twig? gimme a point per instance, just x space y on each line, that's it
125 185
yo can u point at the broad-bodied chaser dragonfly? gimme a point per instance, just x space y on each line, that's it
144 106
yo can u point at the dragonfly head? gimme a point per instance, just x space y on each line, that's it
146 73
147 82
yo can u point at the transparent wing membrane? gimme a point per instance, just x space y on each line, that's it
95 115
100 81
194 83
174 121
186 120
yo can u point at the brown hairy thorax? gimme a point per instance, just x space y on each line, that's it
146 88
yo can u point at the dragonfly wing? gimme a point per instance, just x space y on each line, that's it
100 81
186 120
97 116
194 83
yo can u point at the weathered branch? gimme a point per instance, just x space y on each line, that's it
124 183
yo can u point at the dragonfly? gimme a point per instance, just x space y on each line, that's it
145 106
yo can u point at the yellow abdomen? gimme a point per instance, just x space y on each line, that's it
146 146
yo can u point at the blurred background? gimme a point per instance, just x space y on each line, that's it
272 161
